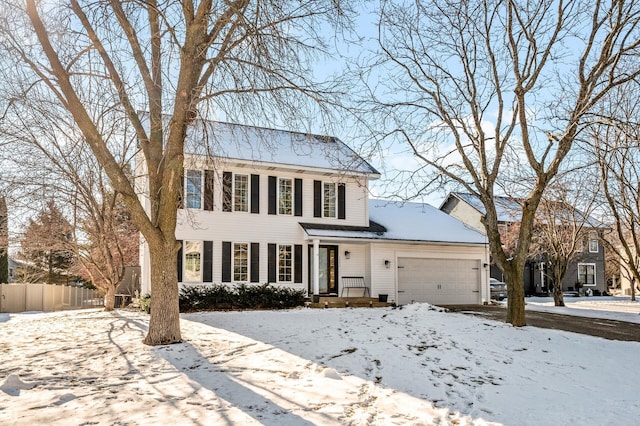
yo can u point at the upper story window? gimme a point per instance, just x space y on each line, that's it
329 199
241 262
241 193
192 261
285 263
593 242
285 196
194 189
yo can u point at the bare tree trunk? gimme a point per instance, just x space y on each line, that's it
558 297
110 298
164 325
515 294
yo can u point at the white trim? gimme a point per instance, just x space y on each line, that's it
292 187
233 192
233 262
591 239
595 276
184 261
186 192
292 269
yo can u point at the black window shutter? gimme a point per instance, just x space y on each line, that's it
179 262
208 189
226 262
181 193
297 264
273 181
255 263
297 194
207 262
341 201
255 193
317 198
227 178
273 267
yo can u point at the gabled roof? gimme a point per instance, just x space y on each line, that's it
507 209
510 209
410 222
263 145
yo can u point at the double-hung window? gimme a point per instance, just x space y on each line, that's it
240 262
285 196
587 274
285 263
241 193
194 189
329 199
593 242
192 261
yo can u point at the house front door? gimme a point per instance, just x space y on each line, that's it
328 270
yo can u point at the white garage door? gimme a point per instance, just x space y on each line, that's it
438 281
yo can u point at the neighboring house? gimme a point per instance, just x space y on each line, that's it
587 268
626 276
293 209
17 269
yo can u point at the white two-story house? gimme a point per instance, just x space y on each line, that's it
293 209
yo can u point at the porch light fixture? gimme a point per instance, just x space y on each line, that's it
347 254
485 265
387 264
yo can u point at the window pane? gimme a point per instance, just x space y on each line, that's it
285 193
329 200
194 189
587 274
241 193
240 262
593 242
192 261
285 263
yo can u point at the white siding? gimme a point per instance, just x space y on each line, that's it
385 279
467 214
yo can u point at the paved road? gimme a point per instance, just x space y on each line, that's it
608 329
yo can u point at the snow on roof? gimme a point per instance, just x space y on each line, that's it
394 221
510 210
421 222
248 143
507 209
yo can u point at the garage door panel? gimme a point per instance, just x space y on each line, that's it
438 281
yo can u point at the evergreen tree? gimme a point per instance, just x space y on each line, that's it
48 243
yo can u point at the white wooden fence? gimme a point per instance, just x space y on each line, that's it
46 297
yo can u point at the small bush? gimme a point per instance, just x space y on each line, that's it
145 303
222 297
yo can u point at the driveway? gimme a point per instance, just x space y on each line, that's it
608 329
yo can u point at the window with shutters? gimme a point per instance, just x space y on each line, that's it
241 193
285 263
329 199
192 261
285 196
194 189
240 262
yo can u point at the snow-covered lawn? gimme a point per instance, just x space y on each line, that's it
607 307
414 365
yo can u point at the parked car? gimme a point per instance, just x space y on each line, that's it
498 289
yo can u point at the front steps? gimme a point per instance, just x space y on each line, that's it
348 302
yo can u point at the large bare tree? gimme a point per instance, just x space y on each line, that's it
615 145
490 95
108 60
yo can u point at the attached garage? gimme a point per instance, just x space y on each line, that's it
439 281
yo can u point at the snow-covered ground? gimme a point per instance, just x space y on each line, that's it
607 307
415 365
